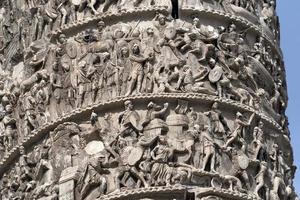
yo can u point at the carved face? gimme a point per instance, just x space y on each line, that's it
124 51
62 39
22 150
186 68
150 31
196 21
232 28
261 124
162 20
100 25
136 49
128 105
212 62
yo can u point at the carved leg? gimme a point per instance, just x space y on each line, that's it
258 187
131 86
230 140
107 4
64 14
137 3
212 161
139 83
134 171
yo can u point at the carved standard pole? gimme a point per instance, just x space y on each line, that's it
143 99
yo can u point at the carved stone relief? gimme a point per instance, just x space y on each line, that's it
96 103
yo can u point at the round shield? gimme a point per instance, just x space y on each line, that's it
243 161
135 155
71 50
134 119
215 74
76 2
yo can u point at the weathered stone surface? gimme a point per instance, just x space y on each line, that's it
143 99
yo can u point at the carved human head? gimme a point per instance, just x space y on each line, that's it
62 38
212 62
215 105
197 127
135 48
119 33
22 150
163 139
81 64
43 83
196 21
232 27
106 56
261 124
151 105
162 19
275 146
55 66
100 25
150 31
221 29
128 105
124 51
186 68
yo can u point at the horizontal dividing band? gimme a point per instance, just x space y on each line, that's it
175 192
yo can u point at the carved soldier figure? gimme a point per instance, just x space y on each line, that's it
161 155
237 133
81 82
56 83
124 67
229 40
268 13
42 100
63 11
245 73
69 91
136 76
217 121
30 114
96 183
93 73
154 112
260 177
209 151
273 154
277 183
129 122
258 135
39 24
10 127
24 168
187 81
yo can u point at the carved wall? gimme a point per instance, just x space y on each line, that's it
143 99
